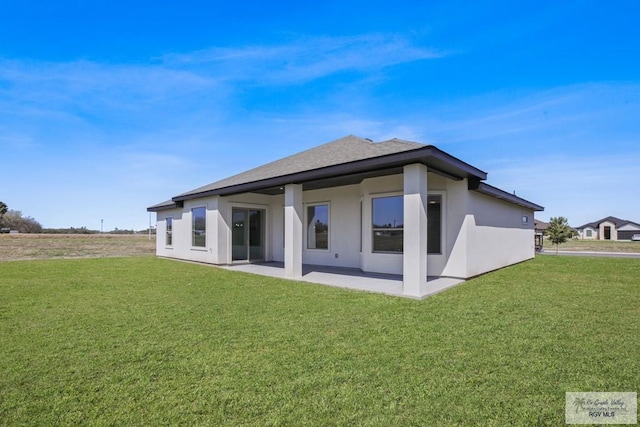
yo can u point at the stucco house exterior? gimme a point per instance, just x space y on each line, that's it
395 207
609 228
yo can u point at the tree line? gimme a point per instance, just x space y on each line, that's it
13 220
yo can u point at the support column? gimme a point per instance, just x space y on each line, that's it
414 258
293 231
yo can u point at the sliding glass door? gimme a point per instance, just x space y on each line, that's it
247 234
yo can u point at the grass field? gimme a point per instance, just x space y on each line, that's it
595 246
146 341
46 246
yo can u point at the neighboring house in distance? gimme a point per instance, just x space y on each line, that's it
609 228
540 227
394 207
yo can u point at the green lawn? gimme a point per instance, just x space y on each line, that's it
146 341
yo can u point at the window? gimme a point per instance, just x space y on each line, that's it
199 227
525 219
589 233
388 227
169 231
434 224
318 227
388 217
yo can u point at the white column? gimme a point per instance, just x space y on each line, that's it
414 259
293 231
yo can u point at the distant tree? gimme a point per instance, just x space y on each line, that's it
3 210
559 231
15 221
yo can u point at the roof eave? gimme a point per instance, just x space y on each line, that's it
164 206
435 159
492 191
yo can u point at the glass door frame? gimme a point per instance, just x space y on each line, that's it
247 226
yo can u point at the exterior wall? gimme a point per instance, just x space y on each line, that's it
344 227
181 246
455 261
614 232
496 234
479 233
162 249
217 248
594 233
276 241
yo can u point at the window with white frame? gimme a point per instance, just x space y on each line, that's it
589 233
199 227
387 223
169 231
318 226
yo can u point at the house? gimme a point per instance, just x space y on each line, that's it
540 227
609 228
394 207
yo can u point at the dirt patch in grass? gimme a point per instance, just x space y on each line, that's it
15 247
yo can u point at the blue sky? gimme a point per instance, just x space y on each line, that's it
109 107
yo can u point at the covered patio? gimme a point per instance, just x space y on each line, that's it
349 278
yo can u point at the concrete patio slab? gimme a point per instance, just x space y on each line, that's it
349 278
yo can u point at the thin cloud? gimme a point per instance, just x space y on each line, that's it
578 187
58 102
565 116
305 59
28 80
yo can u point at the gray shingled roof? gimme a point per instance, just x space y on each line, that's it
346 161
344 150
